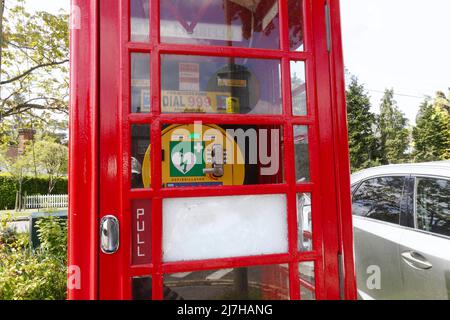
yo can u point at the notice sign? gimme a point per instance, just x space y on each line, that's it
194 101
189 76
186 159
232 83
141 231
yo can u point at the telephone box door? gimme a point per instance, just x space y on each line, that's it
223 165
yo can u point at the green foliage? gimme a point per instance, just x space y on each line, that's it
17 166
7 235
39 274
34 68
432 132
31 185
361 125
394 132
52 234
7 193
44 156
52 158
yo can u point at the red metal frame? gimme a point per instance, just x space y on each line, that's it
100 151
83 154
341 153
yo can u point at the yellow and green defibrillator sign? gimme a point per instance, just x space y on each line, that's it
187 153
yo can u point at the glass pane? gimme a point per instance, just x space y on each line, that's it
433 205
237 23
140 83
295 9
140 21
140 154
379 199
298 84
307 281
141 211
220 85
223 227
305 240
142 288
196 155
252 283
301 154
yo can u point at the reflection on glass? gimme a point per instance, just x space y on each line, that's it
252 283
237 23
220 85
295 9
298 84
140 142
139 20
301 154
140 83
307 281
304 216
433 205
141 288
380 199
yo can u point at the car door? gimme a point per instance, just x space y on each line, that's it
425 250
377 207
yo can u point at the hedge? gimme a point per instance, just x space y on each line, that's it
31 185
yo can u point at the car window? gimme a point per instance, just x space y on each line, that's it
432 205
379 199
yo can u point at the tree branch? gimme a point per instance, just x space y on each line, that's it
22 108
26 73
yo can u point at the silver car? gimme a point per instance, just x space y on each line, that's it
401 220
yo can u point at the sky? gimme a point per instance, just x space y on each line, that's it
52 6
400 44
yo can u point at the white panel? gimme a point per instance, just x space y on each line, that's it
222 227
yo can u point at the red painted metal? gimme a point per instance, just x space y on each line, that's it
83 159
326 198
101 145
113 149
342 154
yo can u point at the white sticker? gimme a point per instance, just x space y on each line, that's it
189 76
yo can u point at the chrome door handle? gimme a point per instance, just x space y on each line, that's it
416 260
109 234
218 160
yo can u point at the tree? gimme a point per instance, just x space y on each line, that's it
34 64
394 132
361 127
17 165
432 131
51 158
2 10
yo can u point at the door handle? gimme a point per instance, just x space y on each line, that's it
218 160
416 260
109 234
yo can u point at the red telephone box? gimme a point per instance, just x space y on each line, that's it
208 153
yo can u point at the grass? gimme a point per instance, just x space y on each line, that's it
26 213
